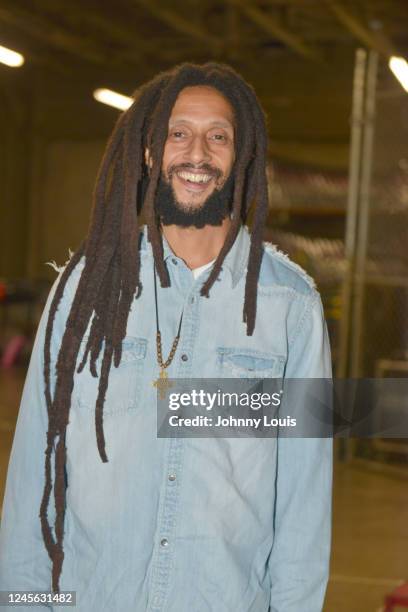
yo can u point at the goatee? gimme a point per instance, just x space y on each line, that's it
213 211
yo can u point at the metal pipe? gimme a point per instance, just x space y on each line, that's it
364 216
352 208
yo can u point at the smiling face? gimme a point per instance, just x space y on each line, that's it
199 152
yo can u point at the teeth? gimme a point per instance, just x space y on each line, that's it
195 178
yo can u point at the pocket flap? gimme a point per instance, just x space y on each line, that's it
249 362
132 348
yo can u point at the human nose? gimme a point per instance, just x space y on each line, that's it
198 151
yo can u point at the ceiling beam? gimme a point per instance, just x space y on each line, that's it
40 28
50 33
135 46
45 60
274 28
179 23
376 40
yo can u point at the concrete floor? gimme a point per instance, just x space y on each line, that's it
370 521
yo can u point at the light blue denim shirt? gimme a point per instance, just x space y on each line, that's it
181 524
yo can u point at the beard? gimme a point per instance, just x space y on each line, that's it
212 211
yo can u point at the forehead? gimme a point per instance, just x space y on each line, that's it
201 102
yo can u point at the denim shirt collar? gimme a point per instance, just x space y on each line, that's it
235 261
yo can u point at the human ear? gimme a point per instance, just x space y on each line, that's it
148 159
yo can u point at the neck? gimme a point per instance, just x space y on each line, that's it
194 246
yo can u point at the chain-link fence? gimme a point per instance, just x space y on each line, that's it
363 279
308 207
380 321
385 313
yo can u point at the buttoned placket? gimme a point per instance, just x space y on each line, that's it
173 466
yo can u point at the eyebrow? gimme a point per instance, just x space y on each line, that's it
216 123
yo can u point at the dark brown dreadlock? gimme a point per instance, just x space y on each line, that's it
110 278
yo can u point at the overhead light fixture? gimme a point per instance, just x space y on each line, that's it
112 98
11 58
399 66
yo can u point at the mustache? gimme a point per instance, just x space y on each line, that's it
207 168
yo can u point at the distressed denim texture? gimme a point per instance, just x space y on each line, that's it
247 521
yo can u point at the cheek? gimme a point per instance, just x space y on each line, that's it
228 162
226 155
170 158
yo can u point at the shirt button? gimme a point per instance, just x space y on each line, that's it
174 261
164 542
192 300
184 357
172 477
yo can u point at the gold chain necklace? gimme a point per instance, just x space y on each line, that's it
162 383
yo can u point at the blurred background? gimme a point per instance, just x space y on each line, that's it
333 81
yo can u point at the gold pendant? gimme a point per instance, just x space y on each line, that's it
162 383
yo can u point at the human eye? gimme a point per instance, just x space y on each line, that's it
219 137
177 134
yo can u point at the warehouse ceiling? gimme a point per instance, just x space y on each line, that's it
298 54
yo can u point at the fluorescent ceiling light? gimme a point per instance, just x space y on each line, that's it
11 58
399 67
112 98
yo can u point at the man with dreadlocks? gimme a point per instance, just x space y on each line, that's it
134 521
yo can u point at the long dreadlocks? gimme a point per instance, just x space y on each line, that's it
110 278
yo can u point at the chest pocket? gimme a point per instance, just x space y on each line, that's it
125 382
248 363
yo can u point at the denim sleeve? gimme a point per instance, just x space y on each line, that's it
24 561
300 556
